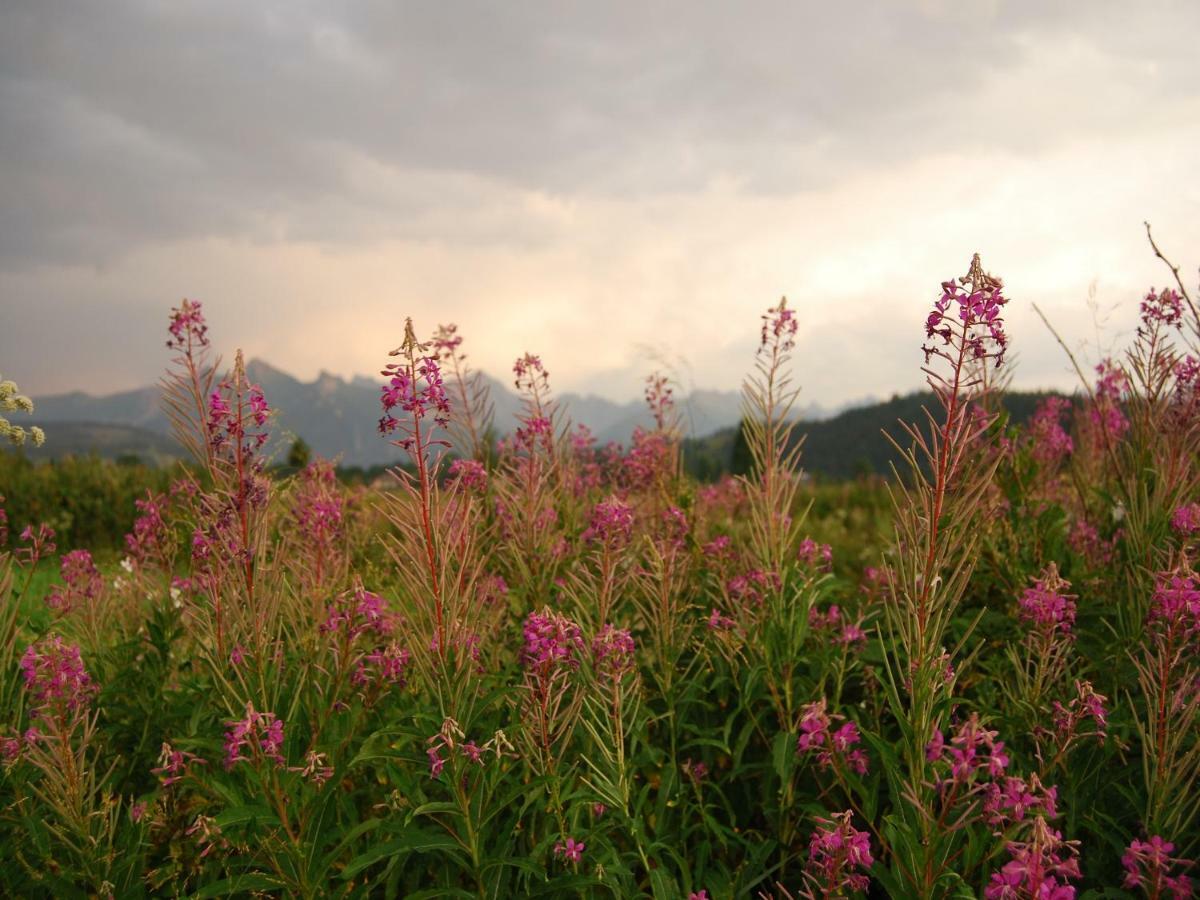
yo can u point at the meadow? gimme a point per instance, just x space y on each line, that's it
538 667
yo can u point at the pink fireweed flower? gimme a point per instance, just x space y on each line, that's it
173 764
814 727
717 621
1050 443
529 373
82 583
383 667
1186 519
202 546
1040 867
750 589
436 762
698 895
150 531
551 640
571 850
1175 605
41 544
659 399
449 738
611 524
838 855
315 769
779 328
980 332
649 458
533 431
821 621
446 340
207 834
815 555
318 506
1087 704
840 745
55 679
415 391
972 751
612 653
236 425
1105 412
1046 606
851 635
582 440
1085 540
936 747
354 614
10 749
1148 864
371 611
469 474
719 548
694 771
1009 801
259 733
675 527
1163 308
187 327
1185 399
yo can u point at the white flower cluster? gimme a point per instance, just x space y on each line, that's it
11 401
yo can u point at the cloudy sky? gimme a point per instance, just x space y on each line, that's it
615 186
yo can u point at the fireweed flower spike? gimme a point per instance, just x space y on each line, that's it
187 327
551 655
1186 519
1150 866
948 457
415 388
1040 867
830 745
570 850
55 679
1046 607
612 653
967 319
838 855
1049 440
254 738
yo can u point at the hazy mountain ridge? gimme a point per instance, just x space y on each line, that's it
337 416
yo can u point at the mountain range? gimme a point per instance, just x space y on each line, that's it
337 417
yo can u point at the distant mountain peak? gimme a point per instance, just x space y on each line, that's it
337 416
264 373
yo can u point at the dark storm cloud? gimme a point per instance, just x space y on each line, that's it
129 123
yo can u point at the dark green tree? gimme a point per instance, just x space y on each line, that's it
300 454
740 460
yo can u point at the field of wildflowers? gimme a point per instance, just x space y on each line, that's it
547 668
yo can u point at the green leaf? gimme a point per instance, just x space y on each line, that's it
414 840
239 884
251 812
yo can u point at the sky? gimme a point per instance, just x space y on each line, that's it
618 187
